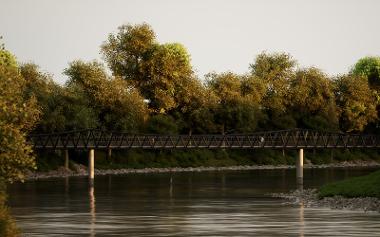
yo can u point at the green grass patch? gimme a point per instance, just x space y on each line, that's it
364 186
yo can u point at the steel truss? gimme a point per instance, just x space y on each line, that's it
294 138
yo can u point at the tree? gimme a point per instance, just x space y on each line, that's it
122 107
195 106
369 67
78 110
313 100
276 71
41 86
166 72
356 101
124 52
156 70
234 112
253 88
18 115
162 124
38 83
7 59
116 104
273 66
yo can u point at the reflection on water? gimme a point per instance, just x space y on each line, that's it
301 220
183 204
92 210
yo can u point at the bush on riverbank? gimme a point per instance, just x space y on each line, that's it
364 186
7 226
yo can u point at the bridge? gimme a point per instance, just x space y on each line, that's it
91 139
284 139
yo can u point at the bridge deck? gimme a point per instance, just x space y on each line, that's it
296 138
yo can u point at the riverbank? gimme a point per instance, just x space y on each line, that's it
363 186
310 198
81 170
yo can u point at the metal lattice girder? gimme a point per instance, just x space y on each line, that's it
294 138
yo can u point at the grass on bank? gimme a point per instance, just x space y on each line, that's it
364 186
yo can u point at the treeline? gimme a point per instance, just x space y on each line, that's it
152 88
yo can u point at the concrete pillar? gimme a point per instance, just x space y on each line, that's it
91 156
66 159
299 167
109 154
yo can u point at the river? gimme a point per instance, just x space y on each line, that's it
224 203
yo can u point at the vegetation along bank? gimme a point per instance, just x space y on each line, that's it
358 193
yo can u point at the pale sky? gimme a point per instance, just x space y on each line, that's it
220 35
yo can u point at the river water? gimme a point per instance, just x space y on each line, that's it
224 203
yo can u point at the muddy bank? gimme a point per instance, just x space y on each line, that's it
81 170
309 198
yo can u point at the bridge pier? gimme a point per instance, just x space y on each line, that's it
91 156
299 168
66 159
109 154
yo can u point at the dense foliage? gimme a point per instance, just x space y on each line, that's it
153 89
369 67
18 114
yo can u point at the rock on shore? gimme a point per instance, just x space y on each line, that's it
309 198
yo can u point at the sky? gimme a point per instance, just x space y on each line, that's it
220 35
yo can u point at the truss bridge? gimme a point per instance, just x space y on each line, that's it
283 139
300 139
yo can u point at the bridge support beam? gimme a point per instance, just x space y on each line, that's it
299 168
66 159
91 172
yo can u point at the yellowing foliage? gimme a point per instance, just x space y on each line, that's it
18 115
